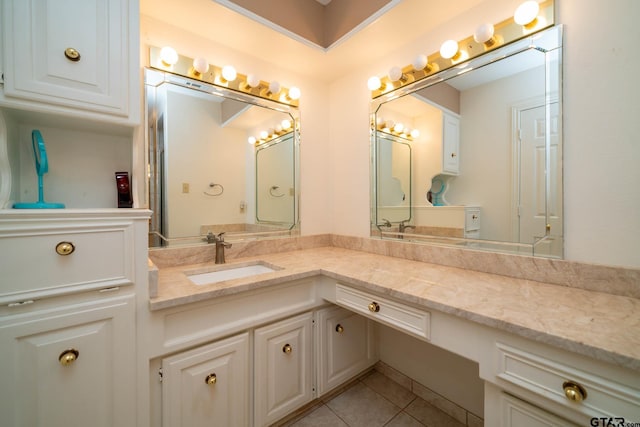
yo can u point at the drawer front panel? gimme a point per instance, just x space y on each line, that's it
31 264
604 398
408 319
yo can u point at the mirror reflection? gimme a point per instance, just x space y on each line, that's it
484 163
218 162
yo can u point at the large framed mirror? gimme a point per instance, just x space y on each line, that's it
220 161
484 168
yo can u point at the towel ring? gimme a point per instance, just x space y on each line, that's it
275 188
212 186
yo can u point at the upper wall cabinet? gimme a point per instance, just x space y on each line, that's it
73 57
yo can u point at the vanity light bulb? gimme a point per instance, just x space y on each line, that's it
286 124
168 55
526 13
374 83
200 65
253 80
274 87
395 74
379 121
294 93
483 33
271 131
449 49
415 133
399 127
229 73
278 128
251 140
419 62
264 134
390 124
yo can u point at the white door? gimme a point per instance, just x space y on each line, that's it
533 201
208 386
283 367
69 366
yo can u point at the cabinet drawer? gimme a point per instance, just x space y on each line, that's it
407 319
548 378
32 267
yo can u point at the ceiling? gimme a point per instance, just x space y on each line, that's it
403 22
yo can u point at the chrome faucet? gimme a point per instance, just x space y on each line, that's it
220 245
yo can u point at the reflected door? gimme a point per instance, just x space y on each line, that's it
534 202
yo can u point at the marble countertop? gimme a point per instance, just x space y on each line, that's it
599 325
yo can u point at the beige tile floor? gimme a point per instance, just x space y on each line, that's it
374 401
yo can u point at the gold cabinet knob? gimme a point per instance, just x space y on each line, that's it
287 349
374 307
474 217
453 155
574 391
71 54
65 248
339 328
211 379
69 356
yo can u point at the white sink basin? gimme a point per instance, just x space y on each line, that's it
228 273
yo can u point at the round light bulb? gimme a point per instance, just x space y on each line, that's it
253 80
419 62
264 134
526 12
286 124
251 140
483 33
271 131
415 133
278 128
395 74
229 73
399 127
294 93
168 55
200 65
374 83
389 124
274 87
449 49
379 121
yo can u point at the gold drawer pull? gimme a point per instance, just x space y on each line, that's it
339 328
69 356
574 391
453 155
71 54
474 216
65 248
211 379
287 349
374 307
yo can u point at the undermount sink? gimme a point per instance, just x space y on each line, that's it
223 273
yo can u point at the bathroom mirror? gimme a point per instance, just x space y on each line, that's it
486 153
207 173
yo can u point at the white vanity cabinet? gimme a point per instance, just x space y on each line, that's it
346 346
450 144
68 314
71 364
72 56
283 368
208 386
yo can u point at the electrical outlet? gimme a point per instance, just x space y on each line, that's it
185 187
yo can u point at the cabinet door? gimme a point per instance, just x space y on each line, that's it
283 363
345 346
208 386
450 144
72 366
517 413
68 52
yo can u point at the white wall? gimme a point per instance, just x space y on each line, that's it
601 126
